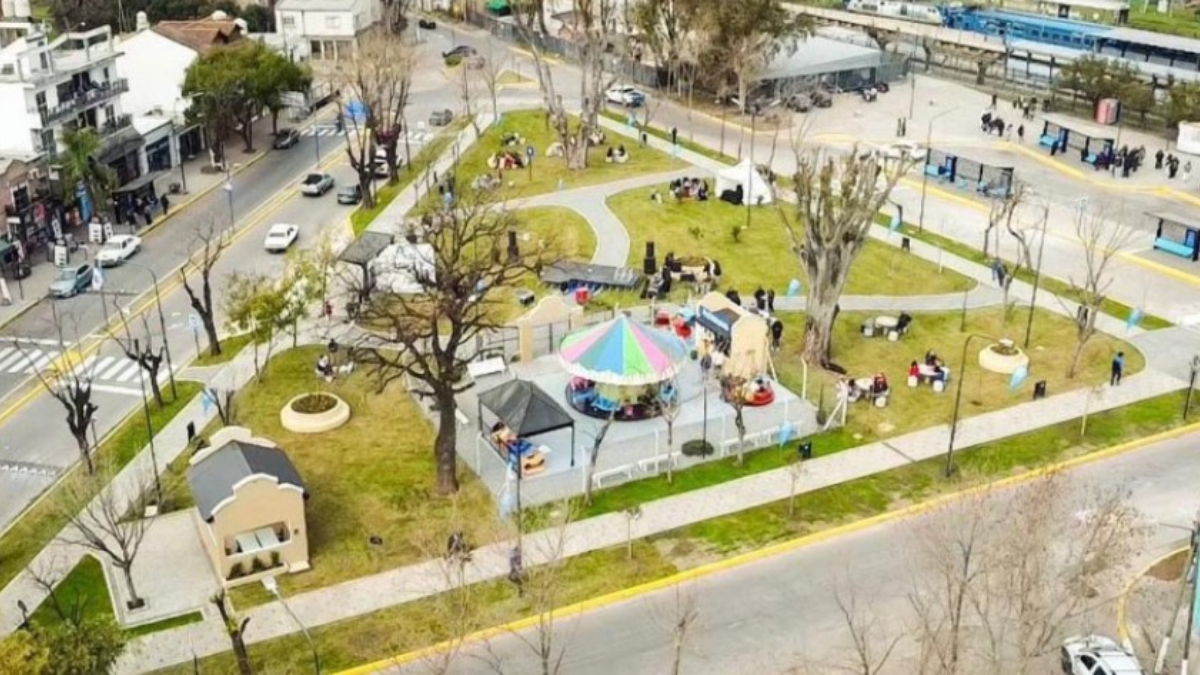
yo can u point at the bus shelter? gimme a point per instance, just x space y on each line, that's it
969 174
1094 143
1177 234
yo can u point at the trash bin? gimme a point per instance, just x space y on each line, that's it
581 296
805 449
1039 390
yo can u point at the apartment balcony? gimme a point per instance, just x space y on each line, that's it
114 125
84 99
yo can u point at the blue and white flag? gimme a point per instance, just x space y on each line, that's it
1019 375
793 288
1135 318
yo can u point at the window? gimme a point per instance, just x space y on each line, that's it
289 22
333 21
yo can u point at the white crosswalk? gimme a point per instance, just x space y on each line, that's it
414 135
118 370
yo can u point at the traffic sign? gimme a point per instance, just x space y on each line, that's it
194 322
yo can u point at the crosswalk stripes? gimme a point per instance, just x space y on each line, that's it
322 131
119 369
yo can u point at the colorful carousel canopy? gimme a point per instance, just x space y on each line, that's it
622 352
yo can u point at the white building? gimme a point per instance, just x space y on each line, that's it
325 30
48 85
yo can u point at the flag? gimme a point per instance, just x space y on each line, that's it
1135 318
206 401
786 430
1019 375
97 279
793 288
895 225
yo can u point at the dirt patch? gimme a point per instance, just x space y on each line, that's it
1170 568
314 404
686 554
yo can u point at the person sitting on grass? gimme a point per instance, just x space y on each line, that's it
931 358
914 370
325 368
879 385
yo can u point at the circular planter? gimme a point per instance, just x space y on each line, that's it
1002 357
323 417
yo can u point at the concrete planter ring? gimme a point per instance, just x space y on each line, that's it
314 413
1003 357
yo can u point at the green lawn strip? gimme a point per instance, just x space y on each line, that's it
230 346
427 621
375 636
665 135
362 217
39 525
1049 283
761 254
85 590
865 497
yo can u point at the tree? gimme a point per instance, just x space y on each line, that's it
274 76
71 385
1102 240
109 523
22 654
88 646
590 25
143 352
79 167
1183 103
663 27
867 656
594 457
678 620
253 304
1097 78
426 336
236 630
377 79
667 402
205 252
731 391
837 199
743 38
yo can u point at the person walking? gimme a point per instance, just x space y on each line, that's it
1158 159
994 99
776 334
1021 133
165 203
1118 369
674 136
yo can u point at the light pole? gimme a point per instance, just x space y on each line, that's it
272 587
1037 273
228 187
162 324
178 147
924 172
962 376
149 425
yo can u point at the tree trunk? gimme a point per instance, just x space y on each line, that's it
85 454
444 446
248 135
210 330
364 183
824 290
240 653
127 572
1079 345
155 387
576 155
274 121
670 452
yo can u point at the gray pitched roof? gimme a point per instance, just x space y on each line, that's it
212 478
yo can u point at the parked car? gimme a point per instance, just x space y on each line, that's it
1097 655
71 281
799 102
286 138
118 249
822 98
426 24
281 237
626 96
475 62
350 194
440 118
316 184
461 51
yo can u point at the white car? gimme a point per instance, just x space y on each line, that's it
1097 655
118 249
281 237
903 149
626 96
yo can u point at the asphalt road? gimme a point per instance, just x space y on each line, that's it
35 445
774 614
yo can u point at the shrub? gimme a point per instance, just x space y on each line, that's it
257 565
237 571
276 561
453 60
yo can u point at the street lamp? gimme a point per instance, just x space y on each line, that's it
149 425
962 376
162 324
228 187
924 172
272 587
178 146
1037 272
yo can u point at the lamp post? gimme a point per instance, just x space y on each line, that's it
924 173
272 587
228 187
149 425
162 324
24 615
962 376
1037 273
178 147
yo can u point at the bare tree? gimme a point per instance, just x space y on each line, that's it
593 457
590 26
426 336
669 406
206 251
1000 213
142 351
377 78
236 630
869 651
731 390
796 470
677 618
70 384
837 199
1102 240
109 522
466 85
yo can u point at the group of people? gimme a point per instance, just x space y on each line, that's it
689 188
933 369
989 123
1124 159
853 392
1171 162
138 212
618 156
764 302
1027 106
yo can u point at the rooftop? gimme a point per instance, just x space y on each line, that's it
200 35
317 5
1160 40
818 55
214 477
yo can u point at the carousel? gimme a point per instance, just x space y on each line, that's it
621 369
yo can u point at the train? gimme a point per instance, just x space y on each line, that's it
919 12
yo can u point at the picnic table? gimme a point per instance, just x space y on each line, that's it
927 373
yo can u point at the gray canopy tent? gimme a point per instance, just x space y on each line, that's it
526 410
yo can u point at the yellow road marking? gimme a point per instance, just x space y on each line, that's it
774 550
1123 598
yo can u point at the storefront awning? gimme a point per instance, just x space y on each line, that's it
118 145
137 184
719 323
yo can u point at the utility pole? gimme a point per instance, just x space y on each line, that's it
1191 574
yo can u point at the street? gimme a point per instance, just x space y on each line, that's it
778 613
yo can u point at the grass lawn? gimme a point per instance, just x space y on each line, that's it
1049 283
85 590
426 156
41 523
665 134
375 636
373 476
911 409
548 171
230 346
763 255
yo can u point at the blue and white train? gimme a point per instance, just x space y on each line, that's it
909 11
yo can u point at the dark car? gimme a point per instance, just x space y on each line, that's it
461 51
71 281
350 194
440 118
426 24
286 138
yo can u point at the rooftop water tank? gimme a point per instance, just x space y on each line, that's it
21 9
143 22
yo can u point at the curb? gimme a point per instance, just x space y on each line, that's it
1123 598
622 595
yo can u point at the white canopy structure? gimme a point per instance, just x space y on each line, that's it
399 268
755 189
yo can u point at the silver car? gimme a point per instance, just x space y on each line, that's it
316 184
1097 655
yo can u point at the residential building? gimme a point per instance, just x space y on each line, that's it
250 500
324 30
155 60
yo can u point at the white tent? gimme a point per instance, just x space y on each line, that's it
755 189
400 268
